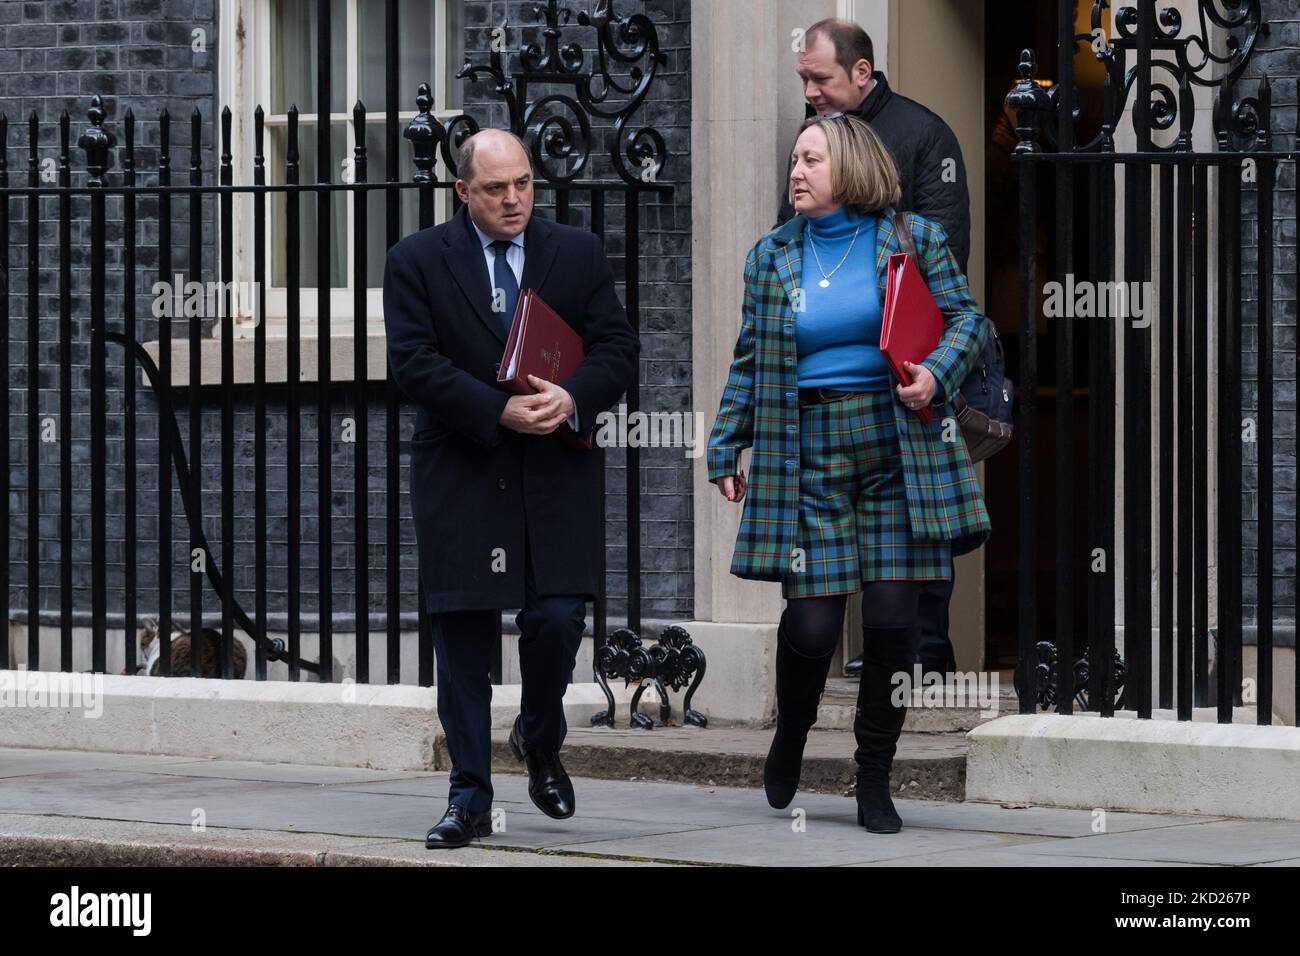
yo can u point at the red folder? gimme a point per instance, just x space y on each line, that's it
542 344
912 322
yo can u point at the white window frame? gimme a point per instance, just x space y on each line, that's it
245 82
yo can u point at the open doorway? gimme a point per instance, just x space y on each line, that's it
1012 26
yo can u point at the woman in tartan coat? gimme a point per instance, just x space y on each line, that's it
849 489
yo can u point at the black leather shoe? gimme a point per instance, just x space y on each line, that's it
457 828
854 667
549 786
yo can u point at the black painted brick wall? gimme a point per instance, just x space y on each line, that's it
137 53
1278 56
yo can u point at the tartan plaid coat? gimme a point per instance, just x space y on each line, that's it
760 402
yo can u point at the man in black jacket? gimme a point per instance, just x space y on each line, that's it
838 76
836 67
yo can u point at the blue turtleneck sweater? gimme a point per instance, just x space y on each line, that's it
838 333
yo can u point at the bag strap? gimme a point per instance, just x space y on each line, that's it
905 238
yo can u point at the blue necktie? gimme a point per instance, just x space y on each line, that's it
503 277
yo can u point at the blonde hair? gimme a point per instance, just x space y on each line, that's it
863 174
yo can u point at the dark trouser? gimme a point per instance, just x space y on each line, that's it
933 648
550 628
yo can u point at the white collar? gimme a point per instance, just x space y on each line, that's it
487 240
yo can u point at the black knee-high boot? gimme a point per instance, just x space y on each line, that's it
878 722
800 681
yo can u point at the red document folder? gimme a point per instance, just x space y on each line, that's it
912 323
542 344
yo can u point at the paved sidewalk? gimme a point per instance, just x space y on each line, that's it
73 807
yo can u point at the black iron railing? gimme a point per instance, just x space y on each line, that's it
563 131
1152 61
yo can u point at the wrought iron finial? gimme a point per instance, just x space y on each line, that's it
128 155
226 118
1030 102
97 143
291 146
425 134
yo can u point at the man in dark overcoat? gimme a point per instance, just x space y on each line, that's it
505 510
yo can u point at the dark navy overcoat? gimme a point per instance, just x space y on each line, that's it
474 483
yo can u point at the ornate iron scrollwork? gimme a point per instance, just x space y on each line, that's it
1226 15
1179 61
671 663
1043 681
557 126
1244 123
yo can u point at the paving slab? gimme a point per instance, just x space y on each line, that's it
1234 842
833 841
605 799
1042 821
18 761
291 806
27 840
106 809
1013 856
273 772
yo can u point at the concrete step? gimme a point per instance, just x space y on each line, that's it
929 711
928 766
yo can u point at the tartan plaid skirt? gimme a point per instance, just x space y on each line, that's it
853 519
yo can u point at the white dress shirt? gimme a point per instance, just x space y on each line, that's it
514 259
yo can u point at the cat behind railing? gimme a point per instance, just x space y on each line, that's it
181 647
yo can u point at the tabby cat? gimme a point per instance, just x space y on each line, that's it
209 650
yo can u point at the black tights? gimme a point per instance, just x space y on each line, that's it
813 625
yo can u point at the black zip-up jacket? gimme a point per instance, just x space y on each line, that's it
920 142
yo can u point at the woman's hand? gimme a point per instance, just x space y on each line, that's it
921 392
733 489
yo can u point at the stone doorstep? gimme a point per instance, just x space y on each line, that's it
926 767
840 699
382 726
1197 766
